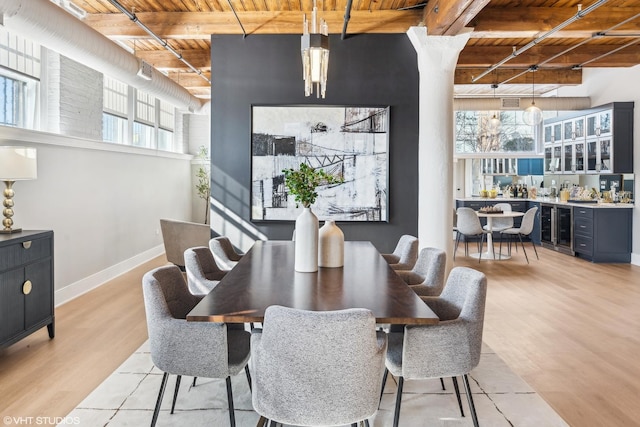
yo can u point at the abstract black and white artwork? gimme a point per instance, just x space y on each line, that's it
351 142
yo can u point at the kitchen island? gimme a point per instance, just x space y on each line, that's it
598 232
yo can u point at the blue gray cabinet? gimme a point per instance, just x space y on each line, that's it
26 285
602 234
531 166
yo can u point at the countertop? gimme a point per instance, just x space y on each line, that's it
550 201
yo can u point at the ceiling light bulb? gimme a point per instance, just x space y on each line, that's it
532 115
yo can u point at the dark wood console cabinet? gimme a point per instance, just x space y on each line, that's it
26 285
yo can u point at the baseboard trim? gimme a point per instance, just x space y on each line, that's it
635 259
89 283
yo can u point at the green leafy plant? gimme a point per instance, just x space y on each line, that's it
203 185
302 183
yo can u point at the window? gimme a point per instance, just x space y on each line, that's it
473 136
19 54
115 114
165 140
114 128
132 116
19 80
12 110
143 135
166 124
145 108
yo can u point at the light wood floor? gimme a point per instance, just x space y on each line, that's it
570 328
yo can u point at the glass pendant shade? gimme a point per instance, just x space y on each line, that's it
494 124
532 115
315 55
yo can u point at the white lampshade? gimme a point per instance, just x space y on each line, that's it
18 163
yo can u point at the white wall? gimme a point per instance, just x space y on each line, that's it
102 201
616 85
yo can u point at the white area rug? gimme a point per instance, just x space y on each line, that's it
128 396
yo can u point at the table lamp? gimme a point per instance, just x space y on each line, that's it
16 164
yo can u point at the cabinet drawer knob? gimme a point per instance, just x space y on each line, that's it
27 287
26 245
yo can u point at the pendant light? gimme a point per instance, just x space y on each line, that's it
532 115
315 54
494 124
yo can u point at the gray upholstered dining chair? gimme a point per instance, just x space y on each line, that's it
450 348
178 236
499 224
427 276
198 349
223 252
317 367
525 229
203 274
405 254
468 226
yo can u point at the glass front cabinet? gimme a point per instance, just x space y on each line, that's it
599 140
573 134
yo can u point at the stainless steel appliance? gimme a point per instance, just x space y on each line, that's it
557 228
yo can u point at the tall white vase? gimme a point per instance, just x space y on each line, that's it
306 243
330 245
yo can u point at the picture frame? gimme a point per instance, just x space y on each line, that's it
347 141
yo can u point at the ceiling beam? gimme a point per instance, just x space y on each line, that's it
190 80
165 60
566 77
449 17
485 56
529 22
200 25
202 92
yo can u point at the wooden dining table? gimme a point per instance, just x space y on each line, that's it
265 276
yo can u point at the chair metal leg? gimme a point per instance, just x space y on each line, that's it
175 393
396 415
455 386
366 423
480 252
456 246
354 425
523 249
442 383
500 256
232 415
384 382
472 408
534 248
194 381
163 384
246 371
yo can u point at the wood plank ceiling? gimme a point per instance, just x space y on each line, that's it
608 36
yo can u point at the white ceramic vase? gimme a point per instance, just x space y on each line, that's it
306 242
330 245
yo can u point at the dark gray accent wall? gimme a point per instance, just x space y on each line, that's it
371 69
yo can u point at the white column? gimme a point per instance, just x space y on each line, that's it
437 58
